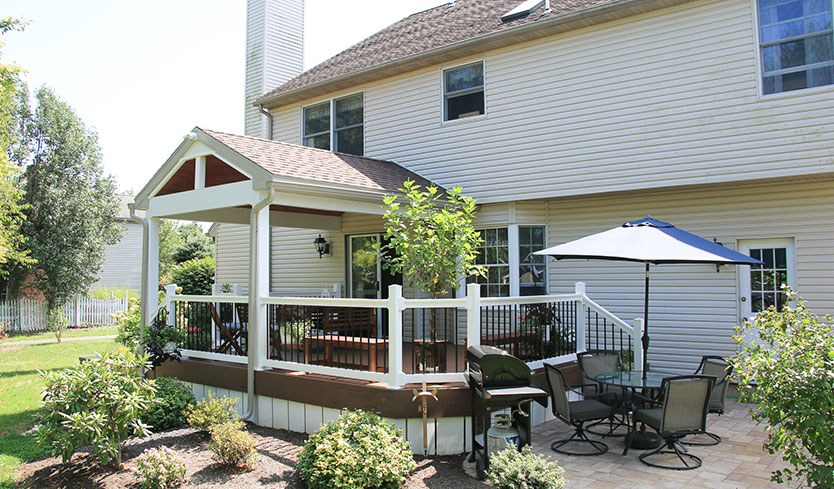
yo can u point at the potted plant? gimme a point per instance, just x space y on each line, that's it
429 238
292 331
163 343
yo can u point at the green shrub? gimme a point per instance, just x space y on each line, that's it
56 322
98 403
169 411
159 468
511 469
194 276
789 356
233 445
357 450
212 411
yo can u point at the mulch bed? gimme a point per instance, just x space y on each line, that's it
275 469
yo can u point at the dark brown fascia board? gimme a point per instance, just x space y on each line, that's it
496 40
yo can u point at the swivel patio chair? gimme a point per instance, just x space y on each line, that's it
717 367
593 363
684 412
575 413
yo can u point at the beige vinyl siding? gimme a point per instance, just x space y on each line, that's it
657 100
692 308
232 255
123 265
296 266
286 125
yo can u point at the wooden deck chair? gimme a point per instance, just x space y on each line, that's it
228 339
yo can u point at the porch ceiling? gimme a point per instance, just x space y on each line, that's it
217 177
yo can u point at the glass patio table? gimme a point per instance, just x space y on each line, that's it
633 379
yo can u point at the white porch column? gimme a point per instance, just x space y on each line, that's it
258 285
150 276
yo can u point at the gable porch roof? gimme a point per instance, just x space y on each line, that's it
312 183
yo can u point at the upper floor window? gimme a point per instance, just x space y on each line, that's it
337 124
463 91
796 44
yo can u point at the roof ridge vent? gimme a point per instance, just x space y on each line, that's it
525 8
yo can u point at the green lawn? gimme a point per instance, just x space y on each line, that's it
69 333
20 393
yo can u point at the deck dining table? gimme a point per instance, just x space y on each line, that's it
635 381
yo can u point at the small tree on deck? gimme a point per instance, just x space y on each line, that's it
430 239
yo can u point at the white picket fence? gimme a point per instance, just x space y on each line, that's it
30 315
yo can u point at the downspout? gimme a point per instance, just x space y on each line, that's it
253 303
268 115
143 289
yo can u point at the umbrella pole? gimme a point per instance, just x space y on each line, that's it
645 338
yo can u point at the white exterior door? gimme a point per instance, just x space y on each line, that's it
761 286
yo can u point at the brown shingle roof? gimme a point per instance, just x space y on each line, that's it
429 30
318 165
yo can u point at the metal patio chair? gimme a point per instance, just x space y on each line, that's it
714 366
593 363
684 412
574 413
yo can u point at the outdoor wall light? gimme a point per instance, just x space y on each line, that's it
719 243
322 246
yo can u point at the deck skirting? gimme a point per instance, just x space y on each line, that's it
302 402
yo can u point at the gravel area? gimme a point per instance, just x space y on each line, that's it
275 469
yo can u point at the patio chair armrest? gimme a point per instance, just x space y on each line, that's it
647 399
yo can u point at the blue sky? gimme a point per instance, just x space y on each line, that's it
144 73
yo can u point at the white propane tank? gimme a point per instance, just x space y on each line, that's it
501 433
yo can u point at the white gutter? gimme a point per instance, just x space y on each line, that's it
251 339
268 115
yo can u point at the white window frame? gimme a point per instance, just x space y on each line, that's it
332 128
518 256
514 258
757 55
443 70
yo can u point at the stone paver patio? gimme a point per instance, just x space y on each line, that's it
738 462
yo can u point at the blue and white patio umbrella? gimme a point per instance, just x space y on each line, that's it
651 242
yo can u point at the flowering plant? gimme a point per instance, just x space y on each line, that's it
159 468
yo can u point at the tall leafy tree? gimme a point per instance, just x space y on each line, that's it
12 241
71 204
195 244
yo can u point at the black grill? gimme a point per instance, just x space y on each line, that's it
498 381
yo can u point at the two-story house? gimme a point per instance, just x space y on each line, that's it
562 122
562 119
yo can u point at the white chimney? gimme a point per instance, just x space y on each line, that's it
274 52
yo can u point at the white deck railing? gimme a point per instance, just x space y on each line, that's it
396 305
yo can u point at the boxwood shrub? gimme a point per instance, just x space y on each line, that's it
511 469
357 450
169 411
